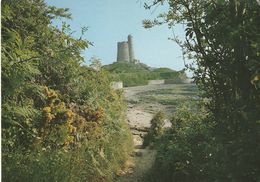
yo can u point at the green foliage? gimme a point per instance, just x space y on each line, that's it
162 70
156 129
185 150
125 67
222 38
61 121
133 79
139 74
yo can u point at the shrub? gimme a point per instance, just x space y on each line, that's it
156 129
184 151
61 120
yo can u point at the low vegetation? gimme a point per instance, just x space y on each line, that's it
155 130
61 120
139 74
185 150
167 99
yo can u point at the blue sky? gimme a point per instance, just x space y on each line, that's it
110 21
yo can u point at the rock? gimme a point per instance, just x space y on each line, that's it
139 147
138 153
139 133
129 164
130 106
120 172
131 171
139 128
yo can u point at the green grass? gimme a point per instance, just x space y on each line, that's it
172 96
139 74
125 67
167 99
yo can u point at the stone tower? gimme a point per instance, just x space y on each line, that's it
130 47
125 50
122 52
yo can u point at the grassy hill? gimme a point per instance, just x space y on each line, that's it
125 67
139 74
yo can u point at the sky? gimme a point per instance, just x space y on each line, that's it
110 21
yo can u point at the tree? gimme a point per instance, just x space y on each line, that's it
222 37
95 63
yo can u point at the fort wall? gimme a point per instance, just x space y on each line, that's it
155 82
116 85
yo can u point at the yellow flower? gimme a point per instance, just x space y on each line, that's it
50 117
52 105
51 94
62 104
46 109
72 129
69 114
70 139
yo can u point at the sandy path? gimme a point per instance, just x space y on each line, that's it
137 116
142 105
139 122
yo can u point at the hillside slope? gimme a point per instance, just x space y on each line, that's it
139 74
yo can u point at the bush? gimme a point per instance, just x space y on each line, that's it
156 129
61 120
77 144
133 79
184 151
223 40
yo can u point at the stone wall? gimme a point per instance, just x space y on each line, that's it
155 82
117 85
170 81
177 81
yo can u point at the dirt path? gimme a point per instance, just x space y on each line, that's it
142 164
143 103
138 115
139 122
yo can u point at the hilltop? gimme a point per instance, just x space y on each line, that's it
139 74
126 67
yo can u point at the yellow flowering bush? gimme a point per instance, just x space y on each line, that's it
57 129
50 134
